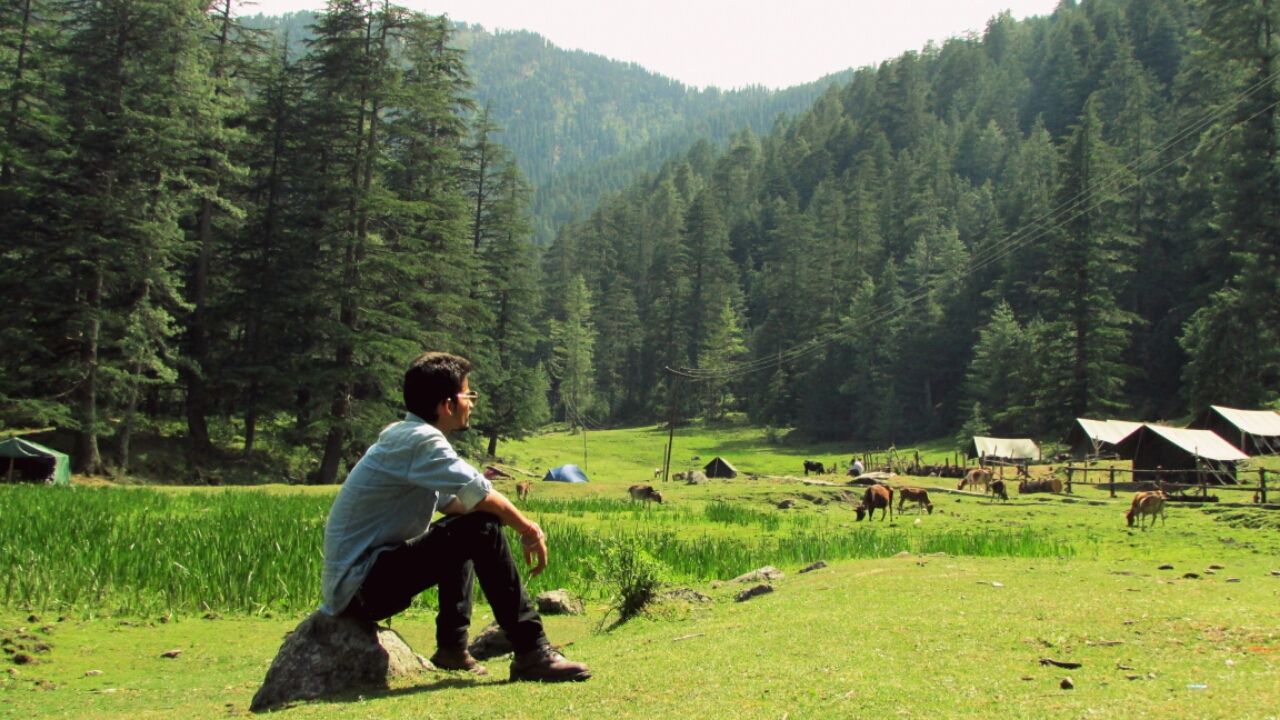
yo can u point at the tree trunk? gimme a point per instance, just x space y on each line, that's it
193 375
88 459
11 123
124 434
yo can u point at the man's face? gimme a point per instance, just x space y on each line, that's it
455 412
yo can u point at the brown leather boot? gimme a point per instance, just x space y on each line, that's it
546 664
458 659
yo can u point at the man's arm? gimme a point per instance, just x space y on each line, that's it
532 539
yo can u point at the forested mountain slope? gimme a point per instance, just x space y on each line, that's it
581 125
1071 215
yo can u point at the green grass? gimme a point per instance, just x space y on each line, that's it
942 615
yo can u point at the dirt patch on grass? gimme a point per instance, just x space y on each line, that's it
1245 518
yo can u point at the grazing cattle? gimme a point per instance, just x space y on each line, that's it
657 473
645 493
1051 485
522 489
998 490
975 477
1146 503
919 496
814 466
877 497
695 477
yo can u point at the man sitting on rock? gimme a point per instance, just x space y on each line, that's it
381 547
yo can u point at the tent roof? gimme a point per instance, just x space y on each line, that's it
1107 431
1200 443
1254 422
719 461
1007 448
566 473
20 448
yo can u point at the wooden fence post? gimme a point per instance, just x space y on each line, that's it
1262 484
1069 479
1113 481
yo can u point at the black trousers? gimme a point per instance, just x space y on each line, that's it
455 551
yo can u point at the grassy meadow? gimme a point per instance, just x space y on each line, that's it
940 615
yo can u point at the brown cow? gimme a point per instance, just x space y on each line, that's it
877 497
975 477
919 496
646 493
1146 503
522 490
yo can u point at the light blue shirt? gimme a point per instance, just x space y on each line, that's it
390 497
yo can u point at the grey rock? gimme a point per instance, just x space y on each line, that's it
490 643
696 477
814 566
326 656
768 572
687 595
559 602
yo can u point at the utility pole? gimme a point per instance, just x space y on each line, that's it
671 423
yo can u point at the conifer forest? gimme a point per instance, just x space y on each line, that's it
213 224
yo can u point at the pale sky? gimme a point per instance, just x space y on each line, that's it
726 43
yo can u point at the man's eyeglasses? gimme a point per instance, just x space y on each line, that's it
471 395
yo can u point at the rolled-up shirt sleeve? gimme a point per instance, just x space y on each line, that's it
436 465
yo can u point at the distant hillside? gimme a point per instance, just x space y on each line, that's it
581 125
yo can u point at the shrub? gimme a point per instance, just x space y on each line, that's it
632 576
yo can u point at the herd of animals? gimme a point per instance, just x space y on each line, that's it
879 496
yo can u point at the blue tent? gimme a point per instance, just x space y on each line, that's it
566 473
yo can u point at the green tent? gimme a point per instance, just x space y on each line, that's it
23 460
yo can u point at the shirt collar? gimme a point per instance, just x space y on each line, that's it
410 417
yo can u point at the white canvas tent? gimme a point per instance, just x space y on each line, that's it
1158 450
1096 438
1254 432
1016 450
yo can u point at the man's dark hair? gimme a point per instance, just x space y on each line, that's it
432 377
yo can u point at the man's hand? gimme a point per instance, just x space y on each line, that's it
534 543
532 540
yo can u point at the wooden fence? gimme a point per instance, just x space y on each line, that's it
1175 482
